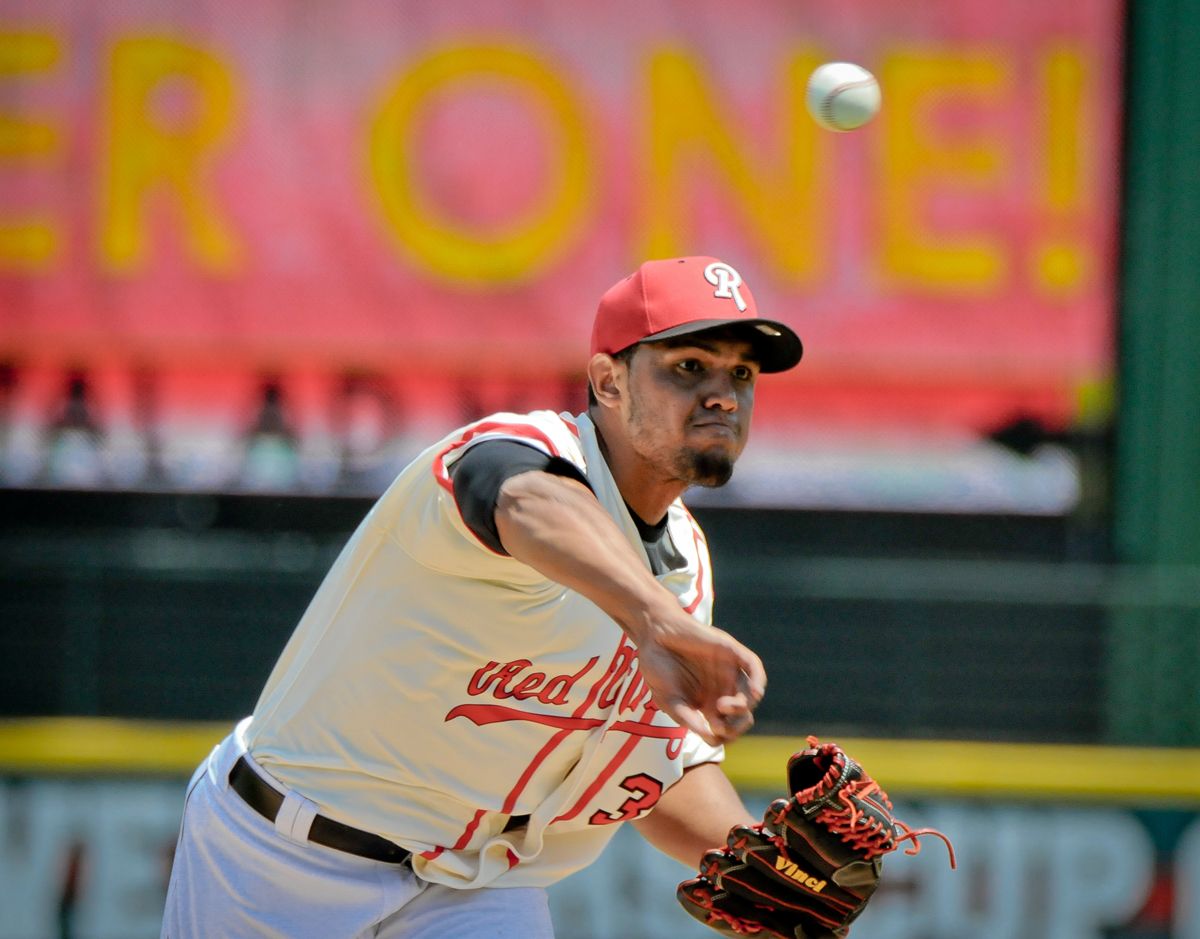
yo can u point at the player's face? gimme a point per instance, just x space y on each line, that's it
689 406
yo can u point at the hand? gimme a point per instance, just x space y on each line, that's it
702 677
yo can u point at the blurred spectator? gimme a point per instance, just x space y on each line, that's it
74 440
368 423
270 462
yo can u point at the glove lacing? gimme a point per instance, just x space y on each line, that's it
866 833
872 838
740 926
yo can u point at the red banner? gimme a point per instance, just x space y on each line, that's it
428 198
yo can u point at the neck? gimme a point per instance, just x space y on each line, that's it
644 491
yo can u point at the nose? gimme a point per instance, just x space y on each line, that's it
720 393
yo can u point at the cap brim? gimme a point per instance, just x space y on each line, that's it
777 348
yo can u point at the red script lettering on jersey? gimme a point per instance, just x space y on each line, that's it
517 680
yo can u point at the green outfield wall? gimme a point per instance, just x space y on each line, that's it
1153 664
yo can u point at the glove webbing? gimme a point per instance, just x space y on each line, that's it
871 838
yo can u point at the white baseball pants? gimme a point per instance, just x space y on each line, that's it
236 876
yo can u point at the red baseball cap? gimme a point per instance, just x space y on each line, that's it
677 296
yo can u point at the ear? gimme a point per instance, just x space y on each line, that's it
602 372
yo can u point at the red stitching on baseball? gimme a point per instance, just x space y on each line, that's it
827 104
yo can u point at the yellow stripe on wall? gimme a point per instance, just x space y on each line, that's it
905 768
973 769
104 745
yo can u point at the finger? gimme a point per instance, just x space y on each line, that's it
752 678
735 714
751 695
694 720
734 704
717 720
737 724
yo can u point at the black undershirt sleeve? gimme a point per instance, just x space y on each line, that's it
480 472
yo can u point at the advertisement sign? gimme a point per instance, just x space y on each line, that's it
90 859
256 247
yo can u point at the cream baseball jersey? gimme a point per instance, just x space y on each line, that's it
459 703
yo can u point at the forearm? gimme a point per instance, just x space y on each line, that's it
694 815
699 675
556 526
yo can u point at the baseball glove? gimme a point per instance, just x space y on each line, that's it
808 869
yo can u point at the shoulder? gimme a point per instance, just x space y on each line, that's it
556 434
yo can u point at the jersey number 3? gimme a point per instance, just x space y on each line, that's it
646 791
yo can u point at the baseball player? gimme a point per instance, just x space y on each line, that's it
512 656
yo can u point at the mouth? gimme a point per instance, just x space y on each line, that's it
717 428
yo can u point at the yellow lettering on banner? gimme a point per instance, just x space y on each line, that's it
30 243
1060 263
917 159
148 154
687 124
449 249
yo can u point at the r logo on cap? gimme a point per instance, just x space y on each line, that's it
726 280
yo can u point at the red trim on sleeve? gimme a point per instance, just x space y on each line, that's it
698 539
442 476
570 424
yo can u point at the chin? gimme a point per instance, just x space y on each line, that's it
709 468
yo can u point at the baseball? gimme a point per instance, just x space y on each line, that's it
842 96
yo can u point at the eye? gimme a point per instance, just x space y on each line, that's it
689 365
743 372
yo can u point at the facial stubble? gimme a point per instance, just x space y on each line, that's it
710 467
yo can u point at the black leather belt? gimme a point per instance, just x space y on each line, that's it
266 801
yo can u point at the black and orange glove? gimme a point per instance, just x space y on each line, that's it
808 869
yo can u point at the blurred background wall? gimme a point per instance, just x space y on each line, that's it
254 256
